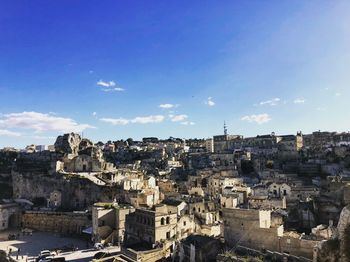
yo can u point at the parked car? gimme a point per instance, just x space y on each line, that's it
98 246
45 253
44 256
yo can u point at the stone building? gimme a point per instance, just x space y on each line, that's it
108 222
255 229
151 226
224 143
198 248
279 190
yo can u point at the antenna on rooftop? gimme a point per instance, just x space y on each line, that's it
225 128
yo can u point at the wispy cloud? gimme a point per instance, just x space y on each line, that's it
106 83
187 123
109 86
136 120
4 132
337 94
259 119
178 118
167 106
299 100
272 102
40 122
210 101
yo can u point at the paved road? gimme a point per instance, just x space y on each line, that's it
30 246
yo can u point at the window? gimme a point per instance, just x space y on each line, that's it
168 220
162 221
184 223
168 234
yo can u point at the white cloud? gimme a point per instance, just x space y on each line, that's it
167 106
116 121
259 119
4 132
147 119
299 100
178 118
337 94
187 123
210 101
109 86
136 120
94 113
40 122
106 83
271 102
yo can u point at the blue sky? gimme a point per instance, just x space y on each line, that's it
119 69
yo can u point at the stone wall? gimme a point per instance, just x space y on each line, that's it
59 222
77 193
243 227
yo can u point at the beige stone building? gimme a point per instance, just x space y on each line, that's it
256 229
151 226
108 222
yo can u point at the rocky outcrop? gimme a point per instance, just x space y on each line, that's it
77 192
85 143
68 143
343 225
344 221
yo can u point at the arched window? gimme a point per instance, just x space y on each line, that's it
162 221
168 220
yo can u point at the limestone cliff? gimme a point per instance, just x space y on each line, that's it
68 143
343 231
77 192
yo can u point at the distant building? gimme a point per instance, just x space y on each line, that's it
209 145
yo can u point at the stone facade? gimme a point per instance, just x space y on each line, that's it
151 226
72 223
9 216
108 222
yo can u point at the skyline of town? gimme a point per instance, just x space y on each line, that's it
172 69
52 139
